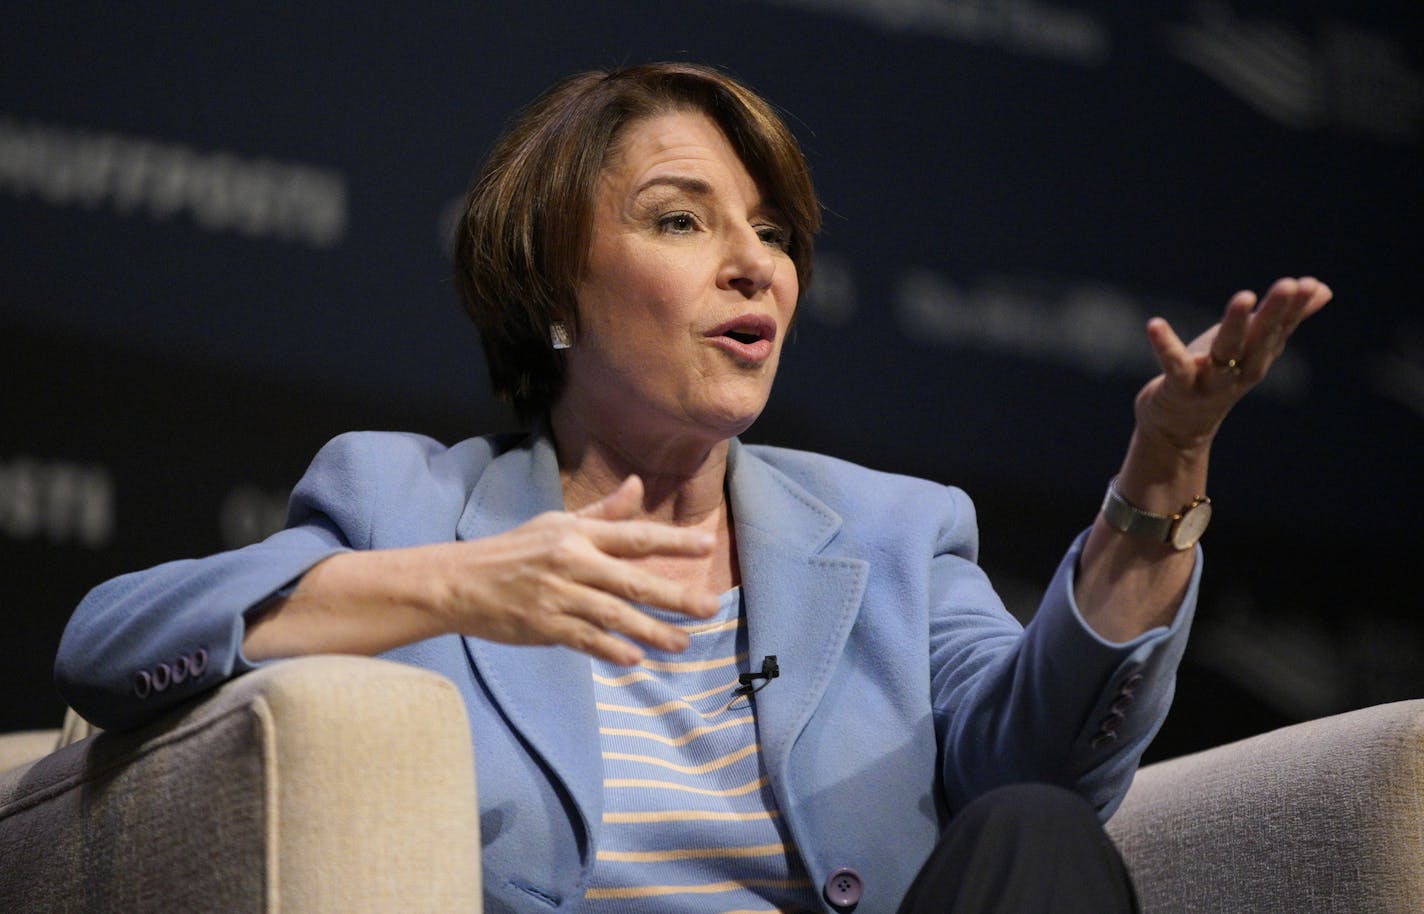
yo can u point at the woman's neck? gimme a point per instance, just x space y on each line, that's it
684 483
684 479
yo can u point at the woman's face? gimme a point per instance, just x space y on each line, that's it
688 290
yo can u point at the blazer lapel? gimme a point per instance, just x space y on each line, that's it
800 607
545 692
800 603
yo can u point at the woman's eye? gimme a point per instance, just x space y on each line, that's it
677 223
775 236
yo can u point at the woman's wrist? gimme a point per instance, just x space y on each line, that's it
1159 476
360 602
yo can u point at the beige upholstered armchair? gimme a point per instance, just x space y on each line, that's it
328 784
340 784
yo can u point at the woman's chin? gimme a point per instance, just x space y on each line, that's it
731 423
734 408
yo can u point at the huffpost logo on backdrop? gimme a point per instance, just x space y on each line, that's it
218 190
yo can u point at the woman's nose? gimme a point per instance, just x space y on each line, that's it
749 265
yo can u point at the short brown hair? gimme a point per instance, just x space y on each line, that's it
523 239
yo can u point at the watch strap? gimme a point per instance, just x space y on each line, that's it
1180 531
1122 515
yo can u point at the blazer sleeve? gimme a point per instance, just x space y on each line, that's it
1054 702
143 642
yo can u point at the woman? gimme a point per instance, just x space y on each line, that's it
632 254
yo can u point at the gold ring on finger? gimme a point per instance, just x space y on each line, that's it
1232 365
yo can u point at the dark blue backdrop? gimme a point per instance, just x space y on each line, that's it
224 241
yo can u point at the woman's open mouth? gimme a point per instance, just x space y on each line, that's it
748 337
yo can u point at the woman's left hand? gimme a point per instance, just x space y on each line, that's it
1202 380
1126 584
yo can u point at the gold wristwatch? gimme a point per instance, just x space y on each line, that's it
1180 531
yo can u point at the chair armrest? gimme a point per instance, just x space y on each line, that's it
1322 816
26 746
325 784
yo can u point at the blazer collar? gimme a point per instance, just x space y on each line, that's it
801 598
801 603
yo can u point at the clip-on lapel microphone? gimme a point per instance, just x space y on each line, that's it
769 671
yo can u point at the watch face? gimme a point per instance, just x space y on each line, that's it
1191 526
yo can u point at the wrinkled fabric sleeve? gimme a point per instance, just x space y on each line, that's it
143 642
1052 702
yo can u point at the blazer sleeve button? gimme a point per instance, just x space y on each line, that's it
162 676
142 684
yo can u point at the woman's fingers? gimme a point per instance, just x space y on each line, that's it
610 614
597 554
1230 340
1250 337
1171 352
633 539
572 578
1287 303
586 638
587 618
1203 379
1266 337
1319 296
1310 296
626 580
1186 365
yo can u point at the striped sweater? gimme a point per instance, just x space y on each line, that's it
689 822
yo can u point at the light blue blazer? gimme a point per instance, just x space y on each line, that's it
906 689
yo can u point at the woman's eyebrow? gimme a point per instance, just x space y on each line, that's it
686 183
699 188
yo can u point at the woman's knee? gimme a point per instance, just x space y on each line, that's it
1023 847
1030 805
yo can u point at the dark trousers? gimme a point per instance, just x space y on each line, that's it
1023 849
